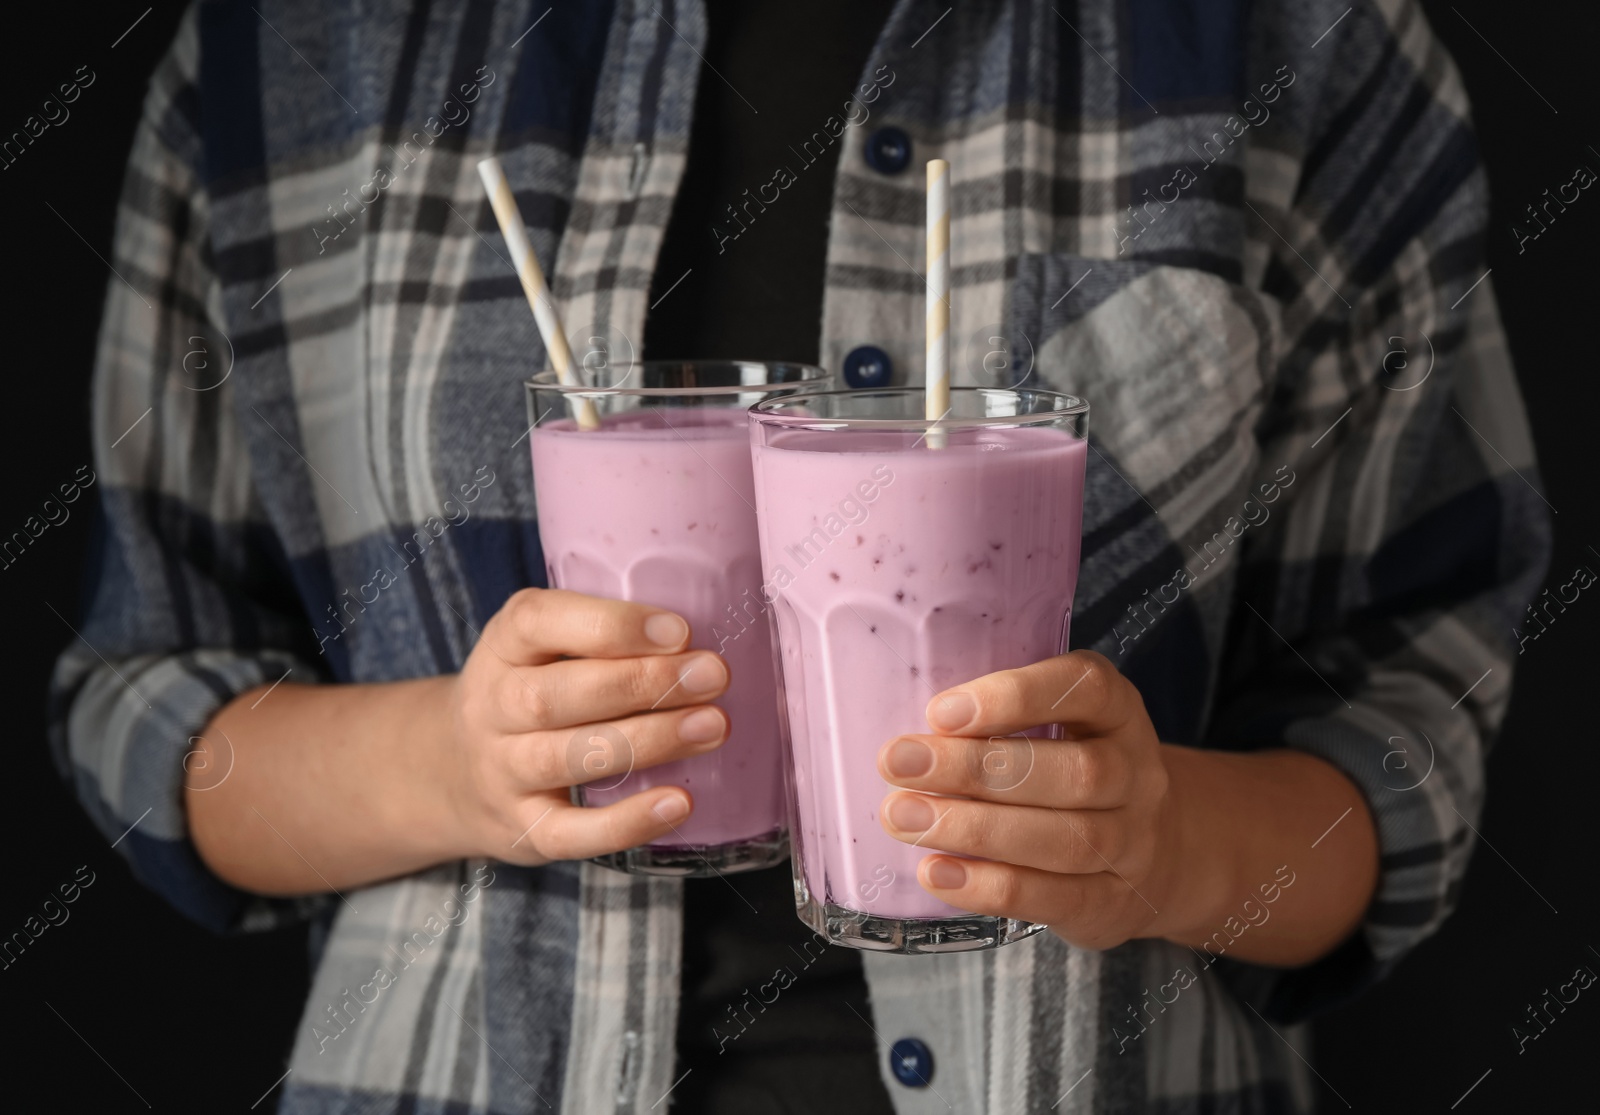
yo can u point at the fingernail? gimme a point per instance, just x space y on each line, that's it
702 726
947 874
666 630
949 712
908 758
910 813
704 675
671 809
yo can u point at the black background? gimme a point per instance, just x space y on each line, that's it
193 1022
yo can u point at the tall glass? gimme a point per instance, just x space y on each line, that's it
657 506
897 569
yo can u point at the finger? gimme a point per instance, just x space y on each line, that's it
603 755
1048 839
540 625
1082 691
588 690
573 832
1017 770
1092 911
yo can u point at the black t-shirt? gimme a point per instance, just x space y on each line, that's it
752 282
770 1021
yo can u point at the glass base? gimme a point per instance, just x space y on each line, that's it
697 861
908 936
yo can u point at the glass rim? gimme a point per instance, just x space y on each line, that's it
1068 406
548 379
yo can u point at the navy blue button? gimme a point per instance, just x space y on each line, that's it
888 150
912 1062
867 366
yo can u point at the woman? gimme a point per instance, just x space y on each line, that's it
310 682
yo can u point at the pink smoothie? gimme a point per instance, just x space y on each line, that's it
664 514
903 570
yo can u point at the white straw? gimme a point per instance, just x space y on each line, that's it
509 217
937 375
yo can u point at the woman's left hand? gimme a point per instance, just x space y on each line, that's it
1070 832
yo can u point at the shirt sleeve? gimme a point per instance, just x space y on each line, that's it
1374 625
189 600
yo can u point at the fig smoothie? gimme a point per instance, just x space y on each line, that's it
900 570
657 506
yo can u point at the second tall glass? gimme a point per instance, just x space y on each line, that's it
657 506
902 566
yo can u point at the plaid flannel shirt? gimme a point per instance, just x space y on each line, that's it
1218 221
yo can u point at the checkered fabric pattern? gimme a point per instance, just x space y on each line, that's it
1219 221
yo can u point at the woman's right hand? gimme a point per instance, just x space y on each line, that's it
563 689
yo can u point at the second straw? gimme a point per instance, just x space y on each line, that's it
936 376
